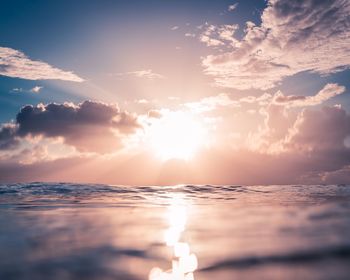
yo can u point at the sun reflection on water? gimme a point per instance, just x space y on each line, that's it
184 263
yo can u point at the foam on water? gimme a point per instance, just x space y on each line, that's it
76 231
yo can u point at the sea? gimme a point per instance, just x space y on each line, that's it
64 231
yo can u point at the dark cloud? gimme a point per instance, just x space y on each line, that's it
89 126
8 138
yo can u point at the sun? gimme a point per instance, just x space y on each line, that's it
176 135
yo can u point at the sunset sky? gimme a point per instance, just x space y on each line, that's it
167 92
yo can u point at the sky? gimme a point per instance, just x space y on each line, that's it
170 92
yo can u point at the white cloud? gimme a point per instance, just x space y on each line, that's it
262 100
16 64
17 90
142 101
36 89
210 41
304 130
174 28
214 36
190 35
147 74
316 130
212 103
294 36
268 103
329 91
207 36
232 7
227 31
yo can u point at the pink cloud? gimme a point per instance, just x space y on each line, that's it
294 36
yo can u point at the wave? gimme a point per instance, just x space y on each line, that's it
341 252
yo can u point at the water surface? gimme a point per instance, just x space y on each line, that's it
69 231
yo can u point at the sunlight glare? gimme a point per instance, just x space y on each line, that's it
176 135
184 263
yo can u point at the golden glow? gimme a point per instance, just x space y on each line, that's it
176 135
184 263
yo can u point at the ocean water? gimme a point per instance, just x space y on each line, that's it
70 231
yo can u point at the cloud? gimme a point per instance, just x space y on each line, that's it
212 103
215 36
15 90
210 42
232 7
155 114
89 126
190 35
226 33
329 177
174 28
289 144
262 100
319 131
311 142
8 138
294 36
16 64
142 101
329 91
313 155
303 131
37 153
224 100
207 38
36 89
146 74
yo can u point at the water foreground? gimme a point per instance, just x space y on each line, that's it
69 231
